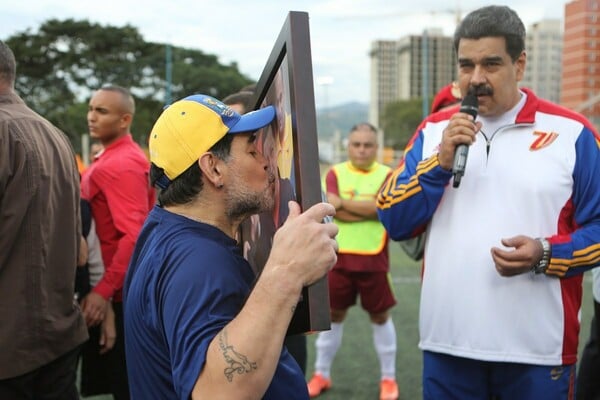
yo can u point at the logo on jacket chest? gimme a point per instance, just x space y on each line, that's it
544 139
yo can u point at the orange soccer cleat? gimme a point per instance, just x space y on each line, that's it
318 384
388 390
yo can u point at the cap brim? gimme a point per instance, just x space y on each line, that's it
254 120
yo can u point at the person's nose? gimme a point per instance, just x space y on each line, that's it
478 76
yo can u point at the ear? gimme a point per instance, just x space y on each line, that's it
520 65
126 120
212 168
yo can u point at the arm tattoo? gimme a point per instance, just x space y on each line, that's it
236 362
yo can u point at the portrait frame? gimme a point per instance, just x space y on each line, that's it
287 83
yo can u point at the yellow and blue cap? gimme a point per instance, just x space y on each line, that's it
189 127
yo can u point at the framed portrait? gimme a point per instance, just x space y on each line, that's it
290 145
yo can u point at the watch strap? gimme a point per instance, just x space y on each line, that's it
542 265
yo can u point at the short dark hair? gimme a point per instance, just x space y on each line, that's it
188 185
493 21
242 97
8 65
128 101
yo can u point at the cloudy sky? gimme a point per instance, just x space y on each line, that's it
244 31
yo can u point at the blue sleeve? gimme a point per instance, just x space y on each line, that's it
409 198
579 251
200 297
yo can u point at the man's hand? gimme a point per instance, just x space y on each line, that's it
93 308
304 246
527 252
460 130
108 330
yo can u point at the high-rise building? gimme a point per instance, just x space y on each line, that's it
397 71
384 77
581 58
434 50
544 43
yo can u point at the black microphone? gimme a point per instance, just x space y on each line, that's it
469 105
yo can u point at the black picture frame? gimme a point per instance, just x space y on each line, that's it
287 83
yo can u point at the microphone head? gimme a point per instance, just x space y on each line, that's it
470 105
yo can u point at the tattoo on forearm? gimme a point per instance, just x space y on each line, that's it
236 362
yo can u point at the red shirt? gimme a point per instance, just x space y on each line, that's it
120 195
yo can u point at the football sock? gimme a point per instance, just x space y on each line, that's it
384 338
328 343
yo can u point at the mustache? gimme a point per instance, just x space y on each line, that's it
480 90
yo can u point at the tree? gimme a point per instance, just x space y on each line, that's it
196 72
400 120
60 65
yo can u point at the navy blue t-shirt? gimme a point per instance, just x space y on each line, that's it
185 282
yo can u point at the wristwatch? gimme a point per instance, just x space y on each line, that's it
542 265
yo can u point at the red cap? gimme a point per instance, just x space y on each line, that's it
447 96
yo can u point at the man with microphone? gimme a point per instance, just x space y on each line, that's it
507 244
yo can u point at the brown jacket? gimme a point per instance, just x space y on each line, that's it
39 241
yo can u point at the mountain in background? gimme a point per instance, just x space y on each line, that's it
340 118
